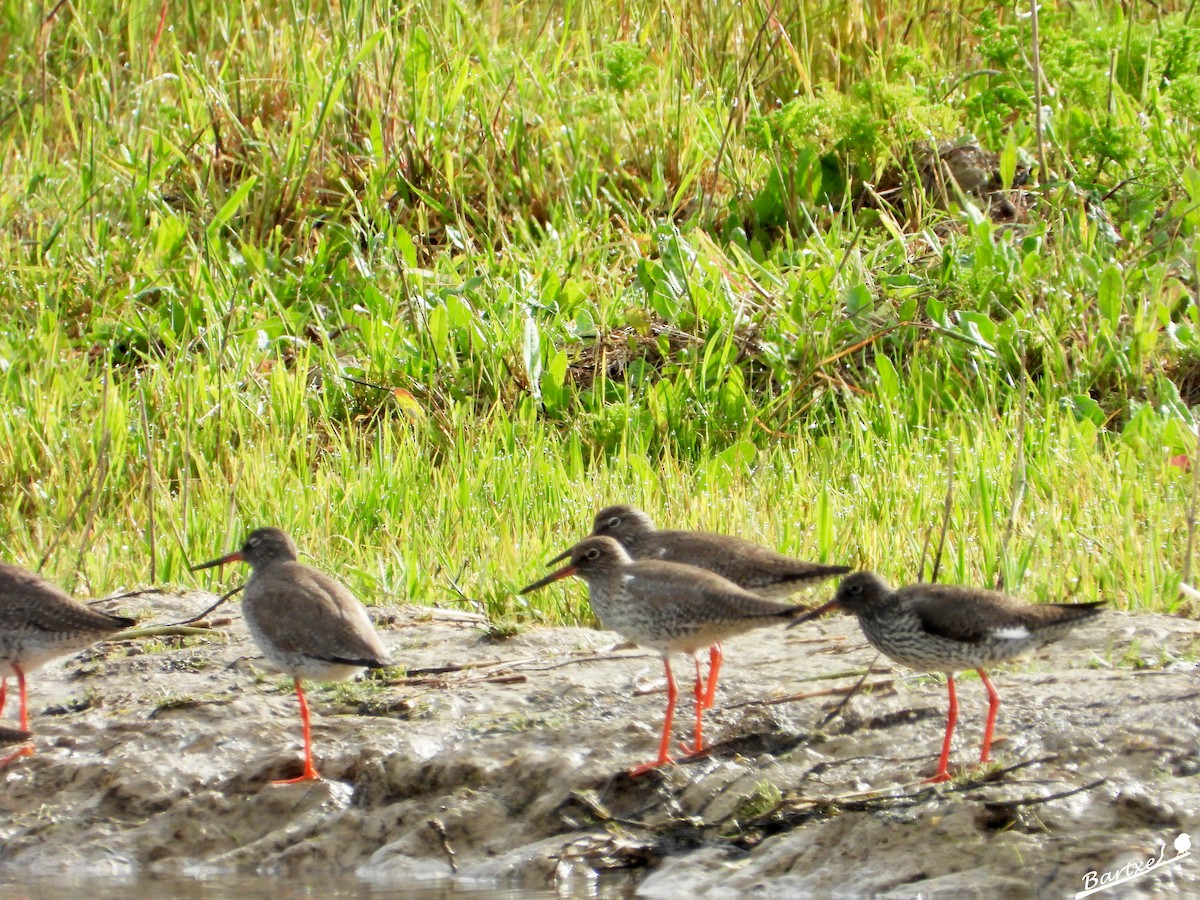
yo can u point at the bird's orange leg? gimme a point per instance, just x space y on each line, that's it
943 772
24 697
665 743
993 709
24 751
714 666
309 773
699 693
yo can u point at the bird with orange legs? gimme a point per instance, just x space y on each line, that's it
40 622
947 628
306 623
668 607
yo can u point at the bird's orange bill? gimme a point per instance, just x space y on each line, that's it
235 556
553 576
815 613
560 556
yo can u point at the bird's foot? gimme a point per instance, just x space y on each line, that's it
638 771
309 774
13 757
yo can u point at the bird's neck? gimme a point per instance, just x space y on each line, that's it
604 592
884 610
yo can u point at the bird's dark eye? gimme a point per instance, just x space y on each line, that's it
252 542
593 553
614 522
856 588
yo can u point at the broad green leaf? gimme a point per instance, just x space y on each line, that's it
1110 295
858 301
889 381
404 243
739 457
1008 161
556 372
1143 424
169 235
439 331
1191 183
936 310
229 209
531 355
1087 409
978 328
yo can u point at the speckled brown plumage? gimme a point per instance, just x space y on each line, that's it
947 628
748 565
40 622
669 607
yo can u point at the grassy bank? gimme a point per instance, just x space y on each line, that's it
427 285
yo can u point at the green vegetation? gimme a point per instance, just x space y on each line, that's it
426 283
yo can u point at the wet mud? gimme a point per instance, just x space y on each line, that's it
488 762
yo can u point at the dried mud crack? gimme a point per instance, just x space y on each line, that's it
503 762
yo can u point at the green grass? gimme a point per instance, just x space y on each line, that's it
426 284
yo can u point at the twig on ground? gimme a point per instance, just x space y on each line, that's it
1033 801
808 695
224 597
136 634
837 710
444 840
584 659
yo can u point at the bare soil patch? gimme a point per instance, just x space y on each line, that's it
503 762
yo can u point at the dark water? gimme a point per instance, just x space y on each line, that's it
252 887
618 885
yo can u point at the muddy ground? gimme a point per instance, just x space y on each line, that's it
501 761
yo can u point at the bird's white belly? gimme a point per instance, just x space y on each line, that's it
33 656
297 663
300 666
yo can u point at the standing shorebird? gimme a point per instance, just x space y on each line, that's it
39 622
944 628
306 624
668 607
751 566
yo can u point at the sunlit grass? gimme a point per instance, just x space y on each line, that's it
407 513
426 284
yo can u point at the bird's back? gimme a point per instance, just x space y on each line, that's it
972 615
294 610
672 606
749 565
947 627
39 621
30 603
